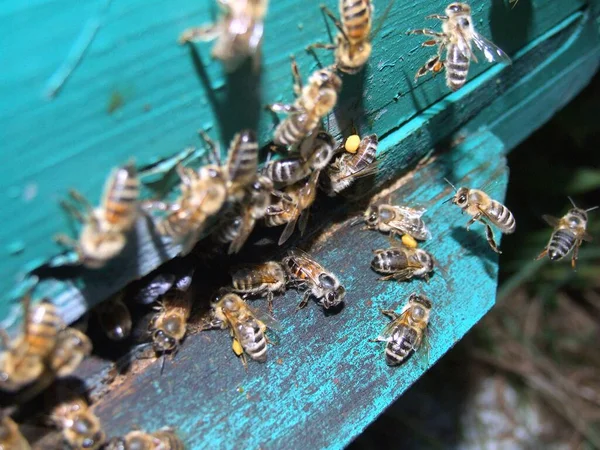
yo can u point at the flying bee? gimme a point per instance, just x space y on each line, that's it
293 207
169 326
405 333
24 359
11 437
203 194
402 263
314 101
352 44
247 326
483 208
81 428
103 235
260 279
303 272
348 167
238 33
315 154
163 439
568 234
456 39
396 219
114 317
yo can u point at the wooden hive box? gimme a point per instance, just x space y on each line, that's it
134 92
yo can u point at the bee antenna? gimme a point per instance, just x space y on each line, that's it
572 202
162 365
592 208
448 181
356 221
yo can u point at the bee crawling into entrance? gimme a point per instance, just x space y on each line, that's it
260 279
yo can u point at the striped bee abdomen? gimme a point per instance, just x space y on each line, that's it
294 128
287 170
365 156
243 156
457 67
253 340
120 202
389 261
502 217
561 243
400 347
43 328
356 18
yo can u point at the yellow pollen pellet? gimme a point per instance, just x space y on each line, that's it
352 143
409 241
237 348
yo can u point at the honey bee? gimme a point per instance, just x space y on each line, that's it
103 234
398 220
72 346
23 361
80 427
247 326
291 170
238 33
352 44
293 207
405 333
314 101
402 263
169 326
456 39
303 272
568 235
482 208
261 279
203 194
11 437
163 439
114 317
348 167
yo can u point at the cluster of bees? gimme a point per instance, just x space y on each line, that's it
238 194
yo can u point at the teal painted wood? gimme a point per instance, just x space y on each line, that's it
135 92
325 382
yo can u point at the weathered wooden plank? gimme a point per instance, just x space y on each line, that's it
325 382
136 92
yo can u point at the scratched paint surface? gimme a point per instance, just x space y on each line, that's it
136 93
324 381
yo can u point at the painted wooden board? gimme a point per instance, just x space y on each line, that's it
136 93
325 382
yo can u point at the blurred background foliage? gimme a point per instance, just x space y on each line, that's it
528 375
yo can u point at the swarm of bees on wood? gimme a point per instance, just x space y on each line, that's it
229 199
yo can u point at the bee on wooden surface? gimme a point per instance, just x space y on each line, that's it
303 272
456 39
24 359
80 427
103 235
315 154
568 234
169 326
247 326
483 208
114 318
163 439
349 166
402 263
203 194
395 219
293 207
352 43
405 333
238 33
314 102
260 279
11 437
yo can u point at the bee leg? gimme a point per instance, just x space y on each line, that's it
541 255
304 301
427 32
79 198
575 254
430 43
281 108
73 211
213 147
390 313
474 219
185 174
310 47
387 277
5 339
437 16
431 65
202 33
296 76
270 302
66 241
335 21
489 234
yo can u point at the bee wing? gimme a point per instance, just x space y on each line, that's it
288 230
490 50
551 220
369 170
587 237
304 260
387 332
405 274
412 213
246 228
265 318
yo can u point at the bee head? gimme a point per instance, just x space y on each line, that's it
372 216
461 198
421 300
454 9
326 78
162 342
334 297
577 217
